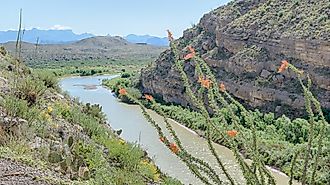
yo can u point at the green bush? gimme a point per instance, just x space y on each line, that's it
125 75
49 79
19 108
15 108
134 92
116 83
124 158
95 111
29 89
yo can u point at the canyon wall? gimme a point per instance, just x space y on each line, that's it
244 43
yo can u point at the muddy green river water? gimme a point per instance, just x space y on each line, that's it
136 129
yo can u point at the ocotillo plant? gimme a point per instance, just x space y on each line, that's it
217 97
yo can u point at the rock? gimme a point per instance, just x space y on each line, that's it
278 78
239 54
278 108
3 80
78 128
37 143
106 151
22 121
26 174
265 73
60 96
118 132
83 172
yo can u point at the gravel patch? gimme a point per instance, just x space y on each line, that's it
15 173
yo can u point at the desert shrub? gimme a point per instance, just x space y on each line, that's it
14 127
95 111
135 80
62 110
3 51
93 158
122 162
90 124
149 170
116 83
126 155
29 89
134 92
124 176
87 72
49 79
19 108
125 75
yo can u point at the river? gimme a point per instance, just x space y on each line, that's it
136 129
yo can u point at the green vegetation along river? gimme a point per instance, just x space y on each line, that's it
136 129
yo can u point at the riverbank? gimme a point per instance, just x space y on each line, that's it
279 176
50 138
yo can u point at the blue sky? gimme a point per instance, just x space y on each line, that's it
101 17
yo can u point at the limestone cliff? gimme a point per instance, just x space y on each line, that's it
244 43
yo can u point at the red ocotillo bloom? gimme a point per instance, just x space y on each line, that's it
222 87
122 91
283 67
174 148
232 133
148 97
204 82
170 35
191 54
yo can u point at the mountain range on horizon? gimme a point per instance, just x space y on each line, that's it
68 36
106 48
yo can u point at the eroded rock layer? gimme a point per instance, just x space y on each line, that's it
244 42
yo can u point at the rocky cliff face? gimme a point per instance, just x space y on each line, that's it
244 43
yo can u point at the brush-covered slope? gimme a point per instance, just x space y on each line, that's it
244 43
95 48
48 138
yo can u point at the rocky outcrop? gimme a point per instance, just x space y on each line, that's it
243 43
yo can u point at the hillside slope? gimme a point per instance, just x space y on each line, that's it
49 138
244 43
95 48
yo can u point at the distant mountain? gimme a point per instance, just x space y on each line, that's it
45 36
102 42
151 40
68 36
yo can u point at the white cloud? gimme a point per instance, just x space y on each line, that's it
60 27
